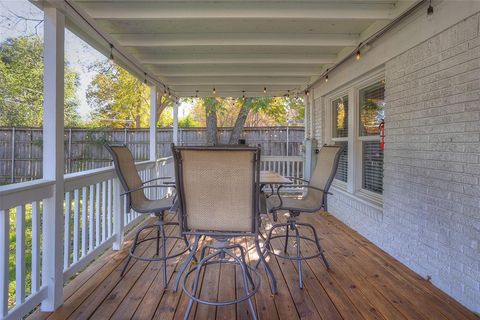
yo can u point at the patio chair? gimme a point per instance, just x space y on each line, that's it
136 200
314 199
218 190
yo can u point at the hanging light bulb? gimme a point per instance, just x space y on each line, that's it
164 91
214 90
288 93
264 89
145 79
243 95
430 10
326 77
196 93
307 93
169 94
111 54
358 55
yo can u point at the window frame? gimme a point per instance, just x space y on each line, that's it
354 184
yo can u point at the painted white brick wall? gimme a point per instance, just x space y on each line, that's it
431 212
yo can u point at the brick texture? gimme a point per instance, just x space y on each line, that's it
431 212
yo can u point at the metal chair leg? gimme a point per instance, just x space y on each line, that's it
299 261
286 239
268 270
244 261
245 275
186 263
164 254
158 240
134 246
317 242
196 279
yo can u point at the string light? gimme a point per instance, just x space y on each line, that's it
326 77
145 80
214 90
169 94
430 9
288 93
243 96
111 53
196 93
307 93
264 89
358 55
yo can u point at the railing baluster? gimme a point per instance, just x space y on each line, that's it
35 246
76 205
104 210
109 207
20 255
4 260
91 219
84 220
66 239
97 214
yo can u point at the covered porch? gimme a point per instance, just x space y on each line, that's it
320 50
364 283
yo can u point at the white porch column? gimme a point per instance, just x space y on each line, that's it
175 122
53 157
153 123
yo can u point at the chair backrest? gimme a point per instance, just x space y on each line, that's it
217 188
127 174
325 170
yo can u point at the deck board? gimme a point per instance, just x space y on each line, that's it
363 283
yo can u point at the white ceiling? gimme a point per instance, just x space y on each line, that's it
238 46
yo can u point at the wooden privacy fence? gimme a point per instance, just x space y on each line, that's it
21 148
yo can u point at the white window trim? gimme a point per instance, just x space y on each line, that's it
353 186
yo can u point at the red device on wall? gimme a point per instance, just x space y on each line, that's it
382 134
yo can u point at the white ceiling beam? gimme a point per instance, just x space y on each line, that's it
240 81
136 10
236 39
237 70
267 59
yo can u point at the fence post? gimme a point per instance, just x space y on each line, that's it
119 210
53 157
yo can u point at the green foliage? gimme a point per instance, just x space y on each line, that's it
118 99
188 122
21 84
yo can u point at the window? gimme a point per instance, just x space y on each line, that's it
340 134
371 114
354 122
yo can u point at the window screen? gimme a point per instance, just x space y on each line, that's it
342 169
340 117
372 166
372 105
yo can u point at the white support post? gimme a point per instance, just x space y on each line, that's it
53 157
153 123
175 123
119 210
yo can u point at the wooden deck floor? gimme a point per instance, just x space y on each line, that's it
364 283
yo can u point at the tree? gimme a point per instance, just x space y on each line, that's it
118 98
21 84
241 112
211 107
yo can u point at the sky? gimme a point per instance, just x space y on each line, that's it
20 17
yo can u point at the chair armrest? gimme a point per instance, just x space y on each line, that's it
144 187
301 186
299 179
159 178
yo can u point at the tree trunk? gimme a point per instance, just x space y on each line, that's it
240 121
161 105
211 116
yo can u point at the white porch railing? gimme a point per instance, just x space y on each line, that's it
94 219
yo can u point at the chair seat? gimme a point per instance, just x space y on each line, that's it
293 204
155 206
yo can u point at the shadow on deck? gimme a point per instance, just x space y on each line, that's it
364 283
